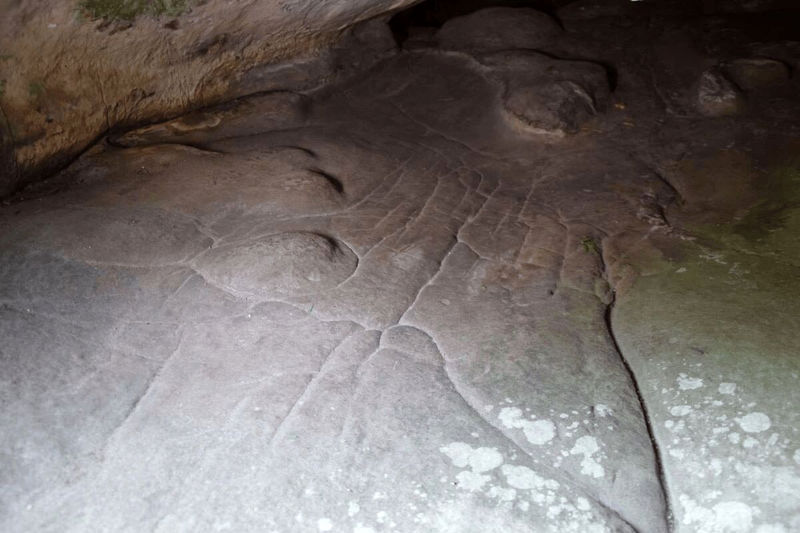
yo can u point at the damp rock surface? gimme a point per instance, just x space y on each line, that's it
525 286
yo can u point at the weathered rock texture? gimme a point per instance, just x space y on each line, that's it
390 304
70 70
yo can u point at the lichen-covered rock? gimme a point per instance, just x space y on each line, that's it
716 95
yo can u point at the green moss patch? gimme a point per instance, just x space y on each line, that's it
35 89
130 9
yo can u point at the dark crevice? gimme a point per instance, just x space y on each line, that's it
334 182
660 472
8 160
202 147
42 180
434 13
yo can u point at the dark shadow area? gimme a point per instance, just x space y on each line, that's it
434 13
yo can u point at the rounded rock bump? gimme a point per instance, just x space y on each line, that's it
292 263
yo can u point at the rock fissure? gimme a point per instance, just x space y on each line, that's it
645 413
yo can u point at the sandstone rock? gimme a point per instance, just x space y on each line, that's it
284 264
745 6
68 78
787 52
386 306
206 187
756 73
590 9
548 95
498 29
716 96
721 382
247 116
139 237
420 38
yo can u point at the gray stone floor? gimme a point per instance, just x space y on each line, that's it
471 290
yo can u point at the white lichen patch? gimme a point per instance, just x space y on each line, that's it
522 477
602 410
688 383
582 504
478 459
722 517
537 432
472 481
731 461
677 453
560 511
522 488
750 442
680 410
587 446
502 493
754 423
352 509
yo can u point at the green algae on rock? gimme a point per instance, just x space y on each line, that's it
130 9
704 329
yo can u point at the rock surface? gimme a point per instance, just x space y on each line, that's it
72 70
717 96
382 304
548 95
498 28
754 73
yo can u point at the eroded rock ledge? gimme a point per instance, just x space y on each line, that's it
72 70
